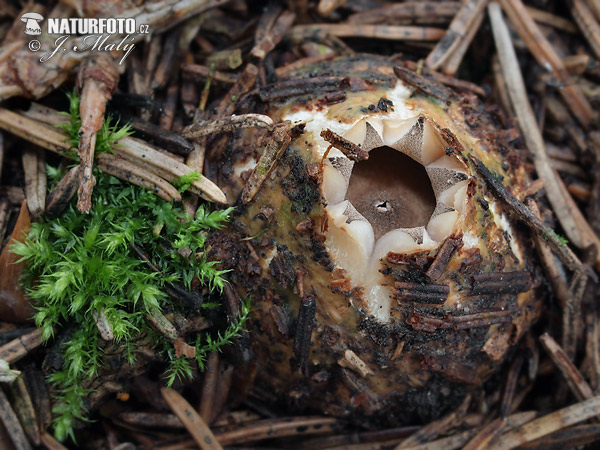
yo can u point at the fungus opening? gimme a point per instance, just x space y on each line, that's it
391 191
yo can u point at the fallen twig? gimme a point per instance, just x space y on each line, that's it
18 348
12 424
542 51
573 222
97 80
202 435
393 32
227 124
278 144
547 424
460 29
350 149
434 429
34 167
573 377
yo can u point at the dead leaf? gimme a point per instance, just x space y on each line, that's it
14 305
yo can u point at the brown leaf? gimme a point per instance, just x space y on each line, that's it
14 305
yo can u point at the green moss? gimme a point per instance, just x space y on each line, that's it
84 266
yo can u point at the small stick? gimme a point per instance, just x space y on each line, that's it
573 437
165 65
137 175
195 425
594 5
453 442
137 152
570 217
195 159
20 347
244 83
198 72
543 52
326 7
592 350
466 19
189 92
549 263
162 137
432 294
229 59
561 249
350 149
284 71
1 154
483 438
437 427
303 335
366 437
226 124
152 420
33 180
500 283
573 377
351 360
546 18
444 254
208 387
222 389
25 410
587 24
162 324
281 139
165 120
452 61
4 214
548 424
392 32
50 443
572 314
97 79
301 86
423 85
409 13
271 29
277 428
12 424
510 387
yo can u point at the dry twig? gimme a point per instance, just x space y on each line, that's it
202 435
573 222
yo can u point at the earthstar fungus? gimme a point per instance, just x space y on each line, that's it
388 286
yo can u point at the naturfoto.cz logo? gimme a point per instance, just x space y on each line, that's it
86 34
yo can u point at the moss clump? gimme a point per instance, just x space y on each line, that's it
85 271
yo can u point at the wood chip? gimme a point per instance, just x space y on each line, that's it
352 361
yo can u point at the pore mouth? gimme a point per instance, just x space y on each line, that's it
408 196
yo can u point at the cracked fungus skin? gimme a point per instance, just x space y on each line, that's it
386 289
